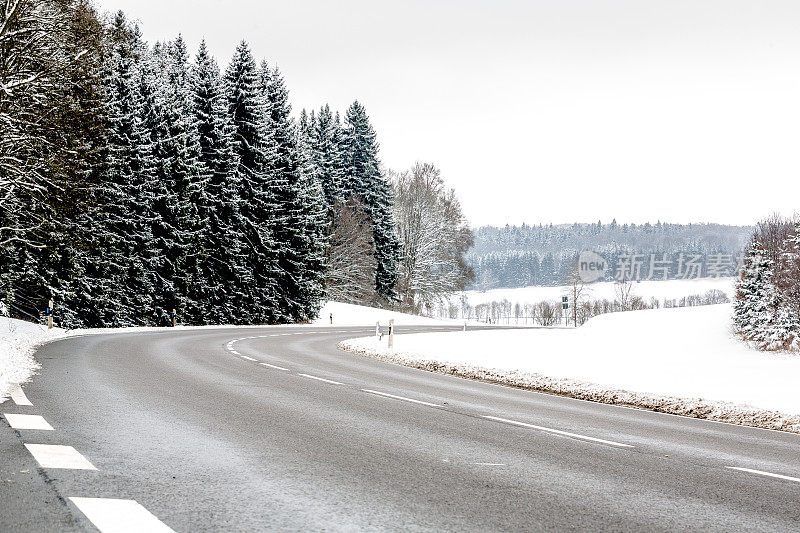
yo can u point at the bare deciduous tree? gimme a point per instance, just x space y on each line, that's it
350 275
434 237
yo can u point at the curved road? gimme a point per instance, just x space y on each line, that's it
276 429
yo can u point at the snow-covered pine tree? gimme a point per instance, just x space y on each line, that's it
326 154
218 265
254 150
363 179
177 175
125 281
754 304
299 224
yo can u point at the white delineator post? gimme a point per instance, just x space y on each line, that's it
465 325
174 318
391 333
378 329
50 314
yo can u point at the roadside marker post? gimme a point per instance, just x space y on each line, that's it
49 314
378 330
174 318
391 333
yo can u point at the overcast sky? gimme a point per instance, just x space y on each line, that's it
545 111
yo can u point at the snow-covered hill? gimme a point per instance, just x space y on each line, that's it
655 355
672 289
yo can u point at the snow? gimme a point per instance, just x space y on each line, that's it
646 289
18 340
681 360
358 315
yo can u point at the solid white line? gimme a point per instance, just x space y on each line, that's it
558 431
762 473
234 352
57 456
119 516
273 366
320 379
248 358
27 422
18 395
400 398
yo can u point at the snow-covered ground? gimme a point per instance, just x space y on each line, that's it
672 289
357 315
18 340
683 360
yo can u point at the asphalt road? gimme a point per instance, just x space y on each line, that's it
193 427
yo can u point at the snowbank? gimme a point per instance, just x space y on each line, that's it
358 315
684 361
18 341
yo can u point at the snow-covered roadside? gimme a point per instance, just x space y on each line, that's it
18 341
682 361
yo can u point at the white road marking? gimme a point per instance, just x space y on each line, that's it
27 422
234 352
387 395
18 395
320 379
119 516
762 473
273 366
248 358
57 456
558 431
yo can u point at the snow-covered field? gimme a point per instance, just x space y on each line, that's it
357 315
682 360
672 289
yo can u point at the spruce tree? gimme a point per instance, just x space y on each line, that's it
176 176
363 179
123 294
754 303
218 265
254 149
299 223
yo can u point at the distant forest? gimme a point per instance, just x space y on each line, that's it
518 256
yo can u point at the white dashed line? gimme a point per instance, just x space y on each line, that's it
762 473
387 395
27 422
119 516
248 358
558 432
320 379
273 366
57 456
18 395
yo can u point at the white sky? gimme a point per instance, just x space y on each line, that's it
545 111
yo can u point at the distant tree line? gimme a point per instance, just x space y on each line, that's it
518 256
767 304
135 180
550 312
